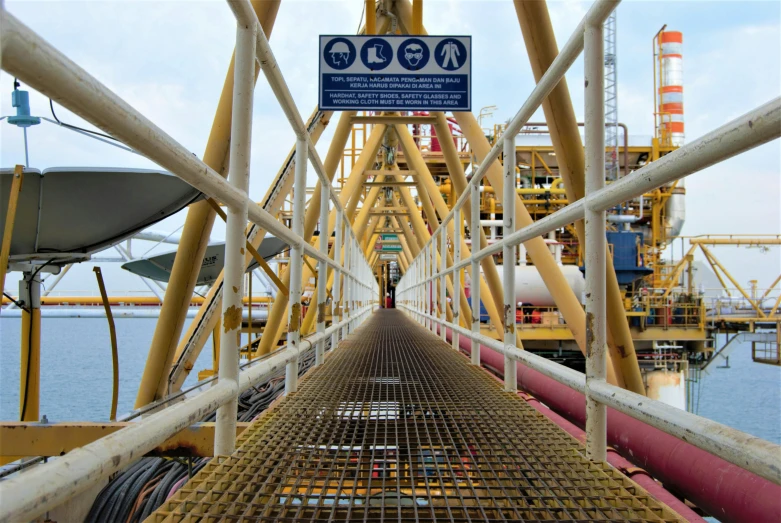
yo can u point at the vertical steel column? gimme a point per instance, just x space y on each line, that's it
236 223
296 265
508 254
474 200
30 358
337 285
433 262
346 279
442 282
427 286
596 316
454 336
322 272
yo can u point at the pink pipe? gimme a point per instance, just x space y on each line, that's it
718 487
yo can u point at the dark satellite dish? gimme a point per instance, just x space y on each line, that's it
66 213
159 267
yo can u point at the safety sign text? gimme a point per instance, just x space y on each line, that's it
395 73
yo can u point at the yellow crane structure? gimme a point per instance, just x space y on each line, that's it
391 421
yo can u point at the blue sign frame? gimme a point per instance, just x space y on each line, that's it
395 73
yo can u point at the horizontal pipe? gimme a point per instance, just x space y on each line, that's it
42 488
726 491
626 467
753 454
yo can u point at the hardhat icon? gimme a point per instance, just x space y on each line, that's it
340 47
340 52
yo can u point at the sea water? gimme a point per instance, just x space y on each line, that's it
76 375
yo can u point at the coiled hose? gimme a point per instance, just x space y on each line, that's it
134 493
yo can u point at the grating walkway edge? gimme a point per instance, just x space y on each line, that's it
396 426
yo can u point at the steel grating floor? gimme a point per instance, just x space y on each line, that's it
396 426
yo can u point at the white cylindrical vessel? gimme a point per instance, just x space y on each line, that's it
668 387
530 288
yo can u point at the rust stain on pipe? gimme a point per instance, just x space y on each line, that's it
231 319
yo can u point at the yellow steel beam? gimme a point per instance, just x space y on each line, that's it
371 20
390 184
537 249
417 17
672 280
391 119
736 240
195 239
490 283
753 303
278 193
542 49
10 218
375 172
253 251
350 197
55 439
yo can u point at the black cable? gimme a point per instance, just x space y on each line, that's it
69 126
15 302
29 342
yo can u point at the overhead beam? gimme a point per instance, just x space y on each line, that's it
375 172
394 119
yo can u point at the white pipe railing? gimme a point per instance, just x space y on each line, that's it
33 60
44 487
414 293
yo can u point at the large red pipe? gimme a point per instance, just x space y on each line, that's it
723 490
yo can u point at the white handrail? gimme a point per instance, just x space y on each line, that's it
414 291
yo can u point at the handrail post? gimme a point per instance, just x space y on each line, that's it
322 271
474 189
337 285
236 223
596 316
508 255
347 267
454 336
442 280
296 264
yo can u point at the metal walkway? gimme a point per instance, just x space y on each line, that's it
396 426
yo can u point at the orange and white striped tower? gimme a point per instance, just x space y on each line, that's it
670 100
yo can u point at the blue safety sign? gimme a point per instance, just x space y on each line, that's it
396 73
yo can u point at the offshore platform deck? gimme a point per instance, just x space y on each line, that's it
397 426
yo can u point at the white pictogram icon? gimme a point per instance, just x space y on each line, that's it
340 53
375 55
450 53
414 54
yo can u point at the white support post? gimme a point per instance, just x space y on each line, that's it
596 243
427 286
508 253
322 272
236 223
337 286
348 244
433 262
442 280
454 336
475 286
296 265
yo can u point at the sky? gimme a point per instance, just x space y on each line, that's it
168 60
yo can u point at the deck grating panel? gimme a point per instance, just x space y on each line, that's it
396 426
